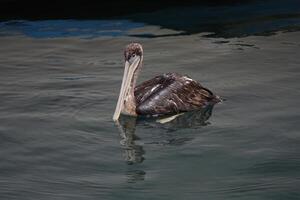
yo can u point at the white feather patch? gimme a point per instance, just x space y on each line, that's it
168 119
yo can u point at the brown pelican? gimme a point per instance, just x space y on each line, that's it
166 94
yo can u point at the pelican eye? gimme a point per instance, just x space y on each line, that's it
132 57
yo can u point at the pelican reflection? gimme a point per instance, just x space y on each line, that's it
134 152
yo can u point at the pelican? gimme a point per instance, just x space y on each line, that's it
167 94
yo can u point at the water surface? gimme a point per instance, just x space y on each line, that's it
58 140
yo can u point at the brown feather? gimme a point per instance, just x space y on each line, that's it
171 93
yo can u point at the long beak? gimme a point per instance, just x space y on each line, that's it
129 70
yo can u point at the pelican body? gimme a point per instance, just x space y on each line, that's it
167 94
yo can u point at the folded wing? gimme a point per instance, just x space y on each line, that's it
171 93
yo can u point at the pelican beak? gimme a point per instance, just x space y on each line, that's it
130 68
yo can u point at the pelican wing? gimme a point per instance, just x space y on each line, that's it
169 94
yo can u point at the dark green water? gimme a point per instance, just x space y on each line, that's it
58 140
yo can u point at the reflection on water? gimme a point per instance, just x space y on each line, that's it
134 153
234 20
135 176
215 20
193 119
68 28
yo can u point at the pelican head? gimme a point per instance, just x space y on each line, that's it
133 60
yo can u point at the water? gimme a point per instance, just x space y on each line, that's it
68 28
58 94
